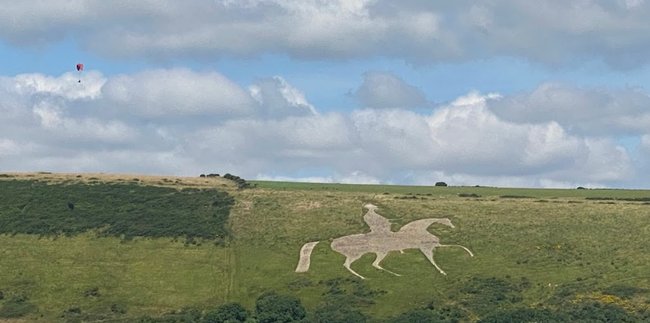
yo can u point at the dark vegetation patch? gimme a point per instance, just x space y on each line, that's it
628 199
16 306
441 314
407 197
349 291
241 183
118 210
468 195
625 292
485 295
515 197
482 299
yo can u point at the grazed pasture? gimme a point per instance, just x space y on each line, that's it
533 249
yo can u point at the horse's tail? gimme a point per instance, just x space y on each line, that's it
305 255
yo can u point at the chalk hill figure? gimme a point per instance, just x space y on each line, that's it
381 240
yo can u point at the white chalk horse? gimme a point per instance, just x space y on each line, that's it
413 235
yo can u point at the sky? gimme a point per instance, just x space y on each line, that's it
492 93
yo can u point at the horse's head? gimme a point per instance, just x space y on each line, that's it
370 206
446 222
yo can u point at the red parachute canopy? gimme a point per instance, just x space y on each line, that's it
80 67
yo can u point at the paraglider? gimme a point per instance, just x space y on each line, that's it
80 67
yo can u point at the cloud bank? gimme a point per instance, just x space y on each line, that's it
179 121
418 31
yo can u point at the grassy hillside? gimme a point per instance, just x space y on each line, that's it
538 252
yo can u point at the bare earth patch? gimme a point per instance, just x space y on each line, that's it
306 205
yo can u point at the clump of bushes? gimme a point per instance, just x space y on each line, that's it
442 184
241 183
482 299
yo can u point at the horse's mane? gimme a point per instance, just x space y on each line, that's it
419 225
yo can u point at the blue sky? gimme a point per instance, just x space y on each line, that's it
544 94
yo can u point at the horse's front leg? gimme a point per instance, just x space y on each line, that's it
428 252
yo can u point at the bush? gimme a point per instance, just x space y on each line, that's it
231 312
275 308
241 183
441 184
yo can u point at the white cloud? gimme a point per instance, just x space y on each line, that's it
65 86
553 32
469 136
385 90
178 92
50 126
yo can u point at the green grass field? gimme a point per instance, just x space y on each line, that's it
535 249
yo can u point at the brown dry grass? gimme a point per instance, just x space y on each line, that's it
95 178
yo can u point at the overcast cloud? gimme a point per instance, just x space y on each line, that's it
552 32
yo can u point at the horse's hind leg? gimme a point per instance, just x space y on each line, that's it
348 261
428 252
380 257
456 245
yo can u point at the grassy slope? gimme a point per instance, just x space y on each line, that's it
557 239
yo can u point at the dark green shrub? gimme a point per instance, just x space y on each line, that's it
231 313
275 308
